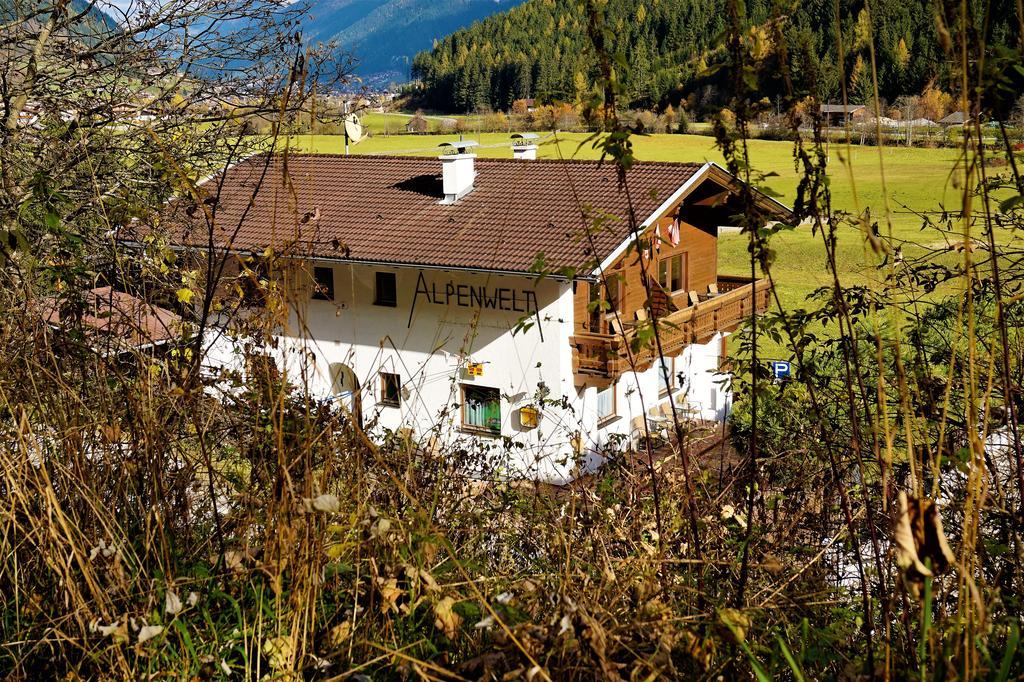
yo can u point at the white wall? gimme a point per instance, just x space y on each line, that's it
699 392
429 347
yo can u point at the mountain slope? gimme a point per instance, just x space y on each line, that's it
540 49
385 34
94 23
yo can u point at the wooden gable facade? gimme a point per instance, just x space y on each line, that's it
689 300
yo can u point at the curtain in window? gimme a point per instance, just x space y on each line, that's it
606 402
483 409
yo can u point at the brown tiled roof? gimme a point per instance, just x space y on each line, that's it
386 209
128 321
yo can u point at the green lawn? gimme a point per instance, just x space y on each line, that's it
920 179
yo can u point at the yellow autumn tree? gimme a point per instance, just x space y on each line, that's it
934 103
759 43
581 86
902 54
862 31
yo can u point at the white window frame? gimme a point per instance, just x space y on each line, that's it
670 362
665 280
602 416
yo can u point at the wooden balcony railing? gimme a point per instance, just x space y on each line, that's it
598 359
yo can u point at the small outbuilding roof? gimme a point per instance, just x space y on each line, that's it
841 108
128 321
954 119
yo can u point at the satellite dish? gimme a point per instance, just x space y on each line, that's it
353 129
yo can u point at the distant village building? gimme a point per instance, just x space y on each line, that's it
415 303
417 124
957 118
135 114
839 115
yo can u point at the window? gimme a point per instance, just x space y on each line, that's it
614 290
595 308
666 367
481 409
605 308
385 290
672 273
323 283
390 389
606 404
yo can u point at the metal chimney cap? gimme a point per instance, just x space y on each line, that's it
458 147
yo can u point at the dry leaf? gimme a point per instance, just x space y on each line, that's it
736 623
598 638
446 618
702 651
117 630
772 564
429 582
389 594
110 433
278 651
233 560
918 537
339 634
148 632
326 503
172 603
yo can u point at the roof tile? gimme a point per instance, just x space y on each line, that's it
386 209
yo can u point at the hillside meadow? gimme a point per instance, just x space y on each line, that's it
903 182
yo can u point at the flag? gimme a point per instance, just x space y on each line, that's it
657 237
673 233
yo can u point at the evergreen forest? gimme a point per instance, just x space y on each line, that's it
541 50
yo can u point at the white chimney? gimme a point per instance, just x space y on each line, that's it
524 147
457 173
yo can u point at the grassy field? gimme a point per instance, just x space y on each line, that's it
911 179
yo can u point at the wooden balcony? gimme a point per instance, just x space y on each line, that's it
599 359
596 358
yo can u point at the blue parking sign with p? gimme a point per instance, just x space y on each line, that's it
781 369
